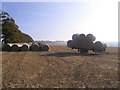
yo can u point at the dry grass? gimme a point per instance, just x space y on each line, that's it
60 67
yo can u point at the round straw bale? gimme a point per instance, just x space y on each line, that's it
78 41
40 46
75 36
34 47
81 36
15 47
104 47
24 47
98 46
70 44
91 37
45 48
6 47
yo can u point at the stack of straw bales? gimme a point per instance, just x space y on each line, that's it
25 47
99 46
82 41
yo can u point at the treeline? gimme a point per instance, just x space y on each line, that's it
53 42
10 31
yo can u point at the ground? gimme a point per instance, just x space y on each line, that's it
61 67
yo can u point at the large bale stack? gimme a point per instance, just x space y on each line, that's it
85 43
80 41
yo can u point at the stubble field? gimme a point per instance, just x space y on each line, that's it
61 67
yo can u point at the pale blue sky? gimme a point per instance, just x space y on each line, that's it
60 20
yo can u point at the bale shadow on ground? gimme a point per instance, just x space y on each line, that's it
65 54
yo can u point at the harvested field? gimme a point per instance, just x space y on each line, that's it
61 67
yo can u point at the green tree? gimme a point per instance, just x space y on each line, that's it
27 38
10 31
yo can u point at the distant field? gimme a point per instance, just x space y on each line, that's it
60 67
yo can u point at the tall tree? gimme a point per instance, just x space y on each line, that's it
10 31
27 38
